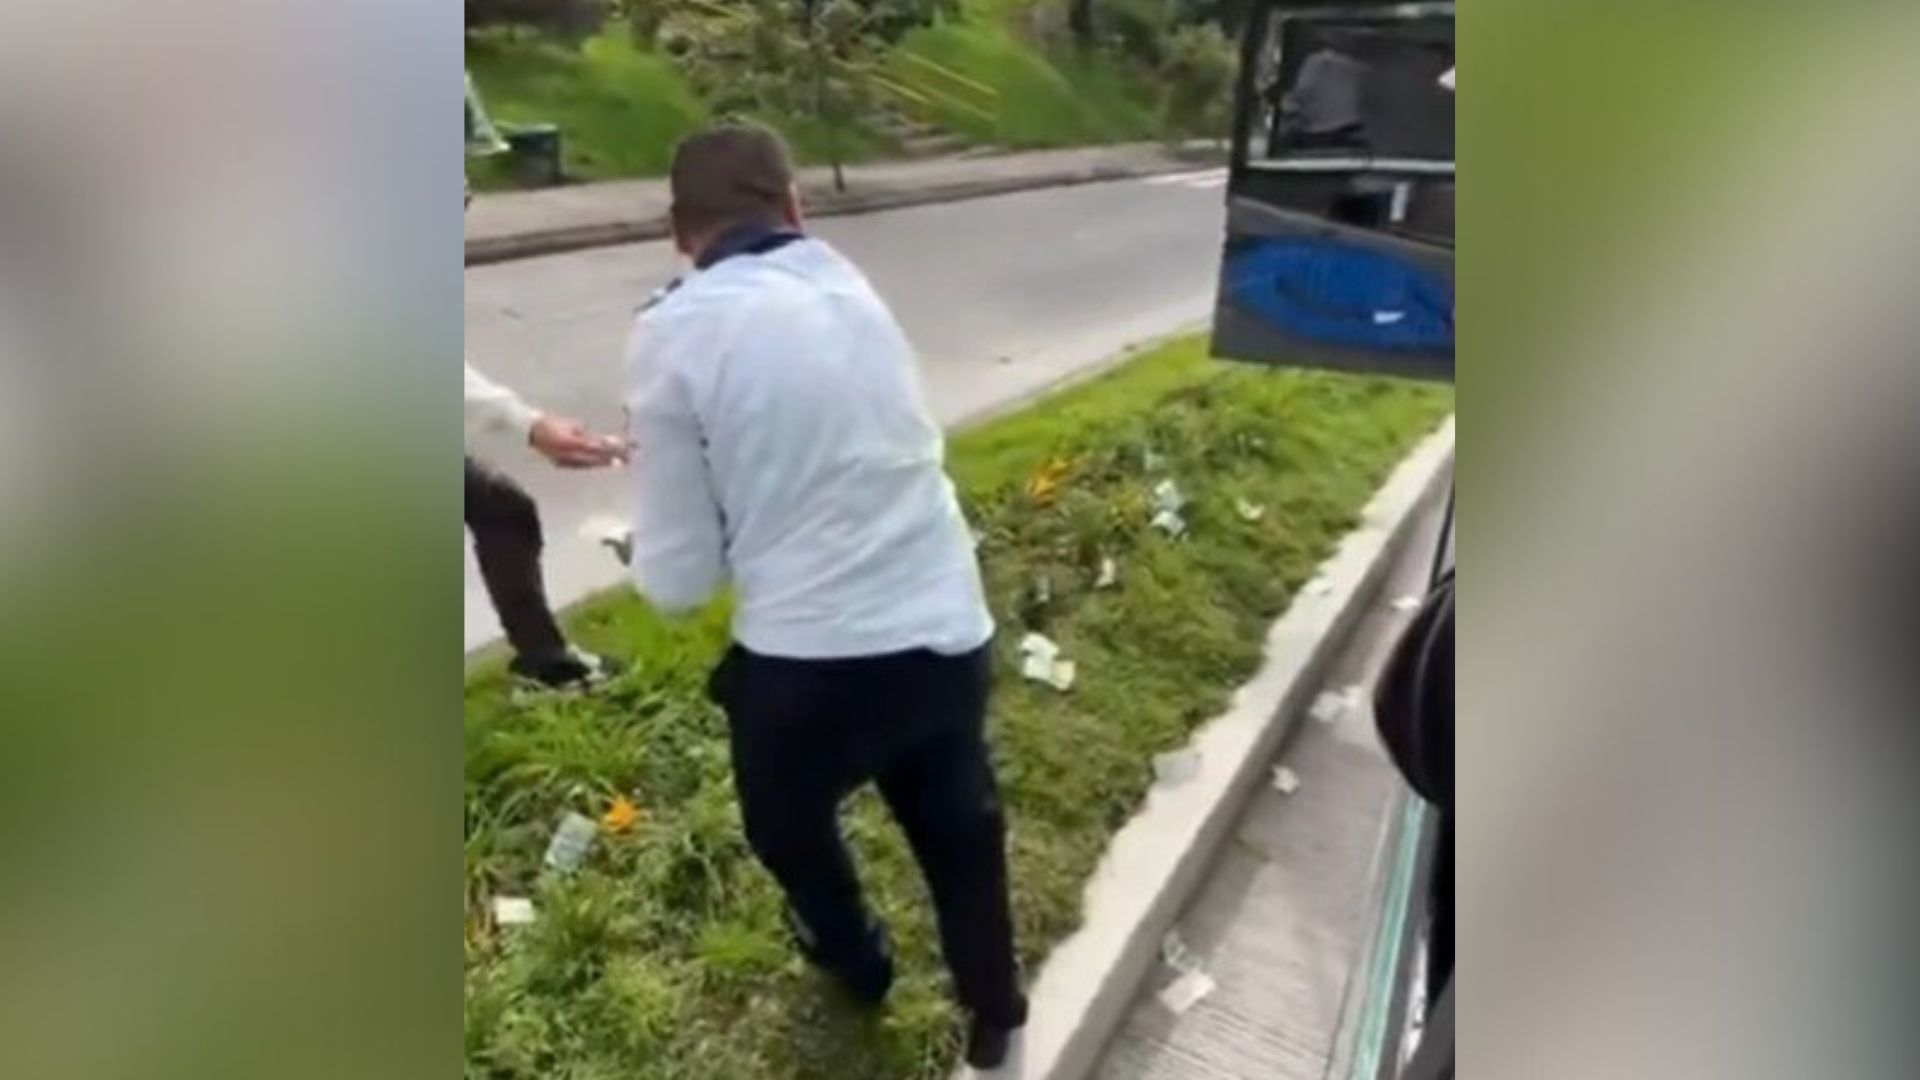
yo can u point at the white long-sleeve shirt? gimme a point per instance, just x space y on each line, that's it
491 406
781 441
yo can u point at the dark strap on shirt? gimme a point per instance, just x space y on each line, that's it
754 239
742 240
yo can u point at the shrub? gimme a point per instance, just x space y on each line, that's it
1198 70
1138 28
645 18
569 19
810 64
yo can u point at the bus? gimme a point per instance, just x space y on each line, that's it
1338 255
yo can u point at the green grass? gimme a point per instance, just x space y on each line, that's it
620 109
1044 97
663 958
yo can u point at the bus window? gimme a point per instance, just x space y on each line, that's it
1340 200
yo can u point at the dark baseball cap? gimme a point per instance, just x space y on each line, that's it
729 173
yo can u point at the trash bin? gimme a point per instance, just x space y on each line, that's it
536 153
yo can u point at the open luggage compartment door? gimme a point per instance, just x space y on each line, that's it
1339 248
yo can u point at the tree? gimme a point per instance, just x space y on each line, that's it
807 60
644 19
892 19
1080 20
566 19
1198 71
1138 28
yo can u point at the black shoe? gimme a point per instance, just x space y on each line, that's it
988 1043
867 980
575 669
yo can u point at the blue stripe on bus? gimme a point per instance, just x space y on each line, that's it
1334 293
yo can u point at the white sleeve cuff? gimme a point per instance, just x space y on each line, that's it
518 417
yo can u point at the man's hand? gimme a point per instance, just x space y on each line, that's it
568 444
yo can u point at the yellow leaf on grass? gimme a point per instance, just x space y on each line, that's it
621 816
1044 486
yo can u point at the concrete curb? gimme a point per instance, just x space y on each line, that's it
492 249
1156 860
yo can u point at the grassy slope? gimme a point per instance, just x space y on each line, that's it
621 108
1044 98
663 958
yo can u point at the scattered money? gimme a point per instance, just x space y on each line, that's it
1186 991
513 911
1177 767
1285 780
571 842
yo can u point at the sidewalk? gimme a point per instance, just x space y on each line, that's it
520 224
1281 921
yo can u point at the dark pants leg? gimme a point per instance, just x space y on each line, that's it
806 733
791 769
942 792
506 543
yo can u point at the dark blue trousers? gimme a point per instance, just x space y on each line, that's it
806 733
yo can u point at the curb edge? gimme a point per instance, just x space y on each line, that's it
485 250
1153 864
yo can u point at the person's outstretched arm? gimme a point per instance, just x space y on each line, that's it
566 443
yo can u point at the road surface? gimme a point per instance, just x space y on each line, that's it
1002 297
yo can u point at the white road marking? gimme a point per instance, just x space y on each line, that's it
1201 179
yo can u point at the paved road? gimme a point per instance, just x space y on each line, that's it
1002 296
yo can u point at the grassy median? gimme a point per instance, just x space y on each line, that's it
663 957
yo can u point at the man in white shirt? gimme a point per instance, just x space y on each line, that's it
506 531
780 443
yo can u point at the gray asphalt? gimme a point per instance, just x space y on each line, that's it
1003 297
